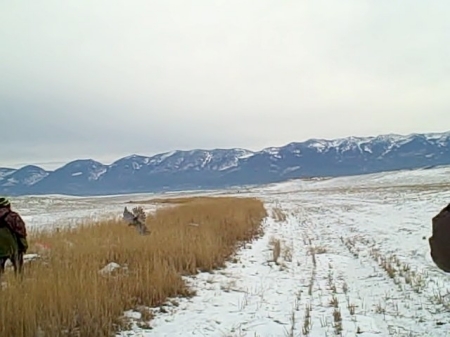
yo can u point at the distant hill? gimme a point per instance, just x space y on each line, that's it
221 168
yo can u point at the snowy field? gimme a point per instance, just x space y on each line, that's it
354 261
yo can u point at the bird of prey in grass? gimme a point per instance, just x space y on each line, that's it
136 219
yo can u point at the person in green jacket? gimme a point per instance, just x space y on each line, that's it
13 237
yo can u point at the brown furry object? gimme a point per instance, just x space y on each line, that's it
440 240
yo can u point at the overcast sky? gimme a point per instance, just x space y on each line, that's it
105 79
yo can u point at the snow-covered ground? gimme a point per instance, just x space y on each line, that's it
354 262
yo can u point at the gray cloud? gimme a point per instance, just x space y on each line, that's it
106 79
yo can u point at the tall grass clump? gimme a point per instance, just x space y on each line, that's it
64 294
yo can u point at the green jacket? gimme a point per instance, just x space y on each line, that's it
8 243
13 234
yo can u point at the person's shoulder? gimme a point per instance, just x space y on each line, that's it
14 215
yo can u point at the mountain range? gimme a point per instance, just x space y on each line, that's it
222 168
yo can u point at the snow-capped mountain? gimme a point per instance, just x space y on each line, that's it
226 167
21 179
76 177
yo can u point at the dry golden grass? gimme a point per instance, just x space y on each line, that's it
278 214
276 249
63 294
180 200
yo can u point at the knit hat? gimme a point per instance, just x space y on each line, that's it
4 202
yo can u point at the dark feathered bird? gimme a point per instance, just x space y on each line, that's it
136 219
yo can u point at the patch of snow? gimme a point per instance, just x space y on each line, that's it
273 151
34 178
27 258
367 149
77 174
437 136
207 159
228 165
246 155
166 155
320 146
234 162
290 169
6 172
11 182
109 268
95 175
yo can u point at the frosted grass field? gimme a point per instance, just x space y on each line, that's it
354 261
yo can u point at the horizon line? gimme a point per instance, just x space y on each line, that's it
63 163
